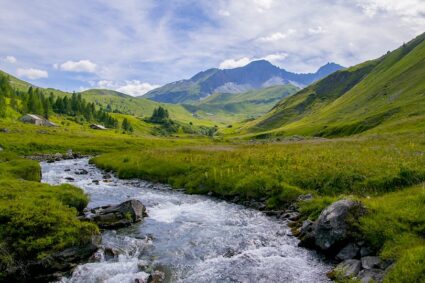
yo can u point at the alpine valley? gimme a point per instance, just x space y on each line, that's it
247 174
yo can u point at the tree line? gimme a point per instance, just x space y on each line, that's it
35 101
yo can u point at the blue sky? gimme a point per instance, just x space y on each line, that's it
135 45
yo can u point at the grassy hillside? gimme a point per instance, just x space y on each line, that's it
138 106
386 94
235 107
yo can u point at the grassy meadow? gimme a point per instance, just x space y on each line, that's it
385 172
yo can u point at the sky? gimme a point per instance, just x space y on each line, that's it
134 46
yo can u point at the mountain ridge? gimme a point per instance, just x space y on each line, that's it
255 75
384 93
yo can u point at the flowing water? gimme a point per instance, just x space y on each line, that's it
189 237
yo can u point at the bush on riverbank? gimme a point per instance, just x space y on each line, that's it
13 167
36 219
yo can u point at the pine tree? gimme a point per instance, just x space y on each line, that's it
126 126
2 106
159 115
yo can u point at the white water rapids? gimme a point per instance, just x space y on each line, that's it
191 238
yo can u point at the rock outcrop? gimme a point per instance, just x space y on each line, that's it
121 215
335 234
333 230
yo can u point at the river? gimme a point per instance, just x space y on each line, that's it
191 238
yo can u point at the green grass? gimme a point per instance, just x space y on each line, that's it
395 227
80 138
368 166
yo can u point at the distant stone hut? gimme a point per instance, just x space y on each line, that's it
97 127
37 120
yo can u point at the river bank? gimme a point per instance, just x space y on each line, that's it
191 238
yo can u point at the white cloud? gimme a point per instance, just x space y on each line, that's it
77 66
9 59
275 58
404 8
32 74
316 30
277 36
132 87
234 63
273 37
136 88
263 4
224 13
127 42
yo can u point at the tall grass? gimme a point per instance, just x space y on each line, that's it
368 166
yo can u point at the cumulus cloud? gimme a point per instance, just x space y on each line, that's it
32 74
273 37
263 4
316 30
9 59
136 88
234 63
277 36
275 58
405 8
132 39
77 66
131 87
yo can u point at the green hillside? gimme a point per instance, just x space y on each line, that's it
231 107
124 103
138 106
382 95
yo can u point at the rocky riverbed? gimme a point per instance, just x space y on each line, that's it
185 238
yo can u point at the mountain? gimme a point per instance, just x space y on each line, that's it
382 95
255 75
231 107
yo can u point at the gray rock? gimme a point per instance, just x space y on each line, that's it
305 197
333 227
142 265
306 234
369 262
156 277
348 252
69 153
81 171
371 275
115 216
366 251
349 268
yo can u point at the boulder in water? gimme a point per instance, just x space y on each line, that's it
156 277
121 215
